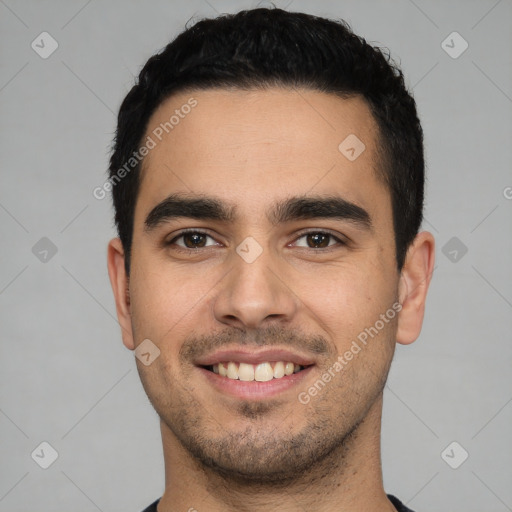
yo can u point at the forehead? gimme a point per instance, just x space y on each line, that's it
252 144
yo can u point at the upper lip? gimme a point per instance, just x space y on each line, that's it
253 357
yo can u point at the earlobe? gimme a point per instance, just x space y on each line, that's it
120 287
414 282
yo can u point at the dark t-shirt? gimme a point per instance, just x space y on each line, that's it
396 502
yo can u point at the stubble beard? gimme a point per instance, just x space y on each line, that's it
261 455
270 448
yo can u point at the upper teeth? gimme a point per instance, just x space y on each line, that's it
260 372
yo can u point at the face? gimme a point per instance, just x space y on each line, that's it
288 258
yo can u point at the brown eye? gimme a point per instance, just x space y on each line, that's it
319 240
191 240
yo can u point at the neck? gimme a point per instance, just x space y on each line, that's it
350 478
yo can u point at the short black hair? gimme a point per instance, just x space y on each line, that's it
260 48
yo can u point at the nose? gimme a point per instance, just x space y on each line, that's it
256 293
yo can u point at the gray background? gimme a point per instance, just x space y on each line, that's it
65 376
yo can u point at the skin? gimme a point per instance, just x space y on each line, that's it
250 149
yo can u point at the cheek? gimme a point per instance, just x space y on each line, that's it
344 301
166 302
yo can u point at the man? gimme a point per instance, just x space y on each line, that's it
267 178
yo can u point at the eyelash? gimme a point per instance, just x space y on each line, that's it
300 235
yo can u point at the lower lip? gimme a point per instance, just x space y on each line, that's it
254 389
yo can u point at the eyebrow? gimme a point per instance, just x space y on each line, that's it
287 210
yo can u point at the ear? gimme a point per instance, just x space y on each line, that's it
120 286
414 282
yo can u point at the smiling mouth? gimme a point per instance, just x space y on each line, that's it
261 372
